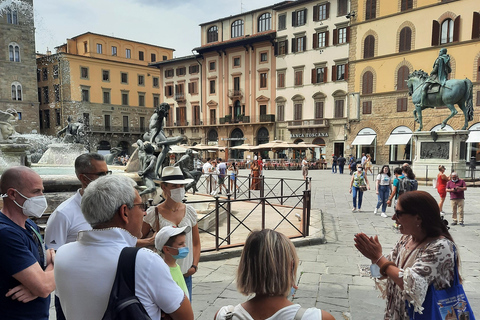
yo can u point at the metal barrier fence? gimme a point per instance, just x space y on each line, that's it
279 204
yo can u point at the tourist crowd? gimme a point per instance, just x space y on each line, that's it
88 235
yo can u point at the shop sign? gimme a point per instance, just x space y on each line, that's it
212 143
309 135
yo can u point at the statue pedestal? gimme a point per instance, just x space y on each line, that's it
14 154
434 148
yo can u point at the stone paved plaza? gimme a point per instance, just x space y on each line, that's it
330 274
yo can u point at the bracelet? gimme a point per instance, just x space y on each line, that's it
383 268
378 259
194 267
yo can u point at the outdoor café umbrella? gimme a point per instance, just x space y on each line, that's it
304 146
245 147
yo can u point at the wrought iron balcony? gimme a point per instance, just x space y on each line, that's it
179 96
235 93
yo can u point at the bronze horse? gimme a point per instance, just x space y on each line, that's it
454 91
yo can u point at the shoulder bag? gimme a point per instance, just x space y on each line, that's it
123 304
451 303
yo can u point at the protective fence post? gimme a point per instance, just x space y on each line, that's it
217 223
281 191
229 213
262 199
306 213
249 185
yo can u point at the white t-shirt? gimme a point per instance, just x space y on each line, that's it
207 168
85 271
287 313
190 219
65 223
304 163
384 179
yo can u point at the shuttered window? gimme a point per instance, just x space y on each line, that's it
405 40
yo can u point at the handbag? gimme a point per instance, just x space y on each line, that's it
451 303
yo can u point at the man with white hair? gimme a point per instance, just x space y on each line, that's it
67 220
26 280
85 269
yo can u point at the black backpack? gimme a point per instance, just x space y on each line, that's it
123 304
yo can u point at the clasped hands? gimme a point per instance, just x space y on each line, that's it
370 247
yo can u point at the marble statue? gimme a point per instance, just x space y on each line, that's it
7 119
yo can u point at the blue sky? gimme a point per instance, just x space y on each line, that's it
169 23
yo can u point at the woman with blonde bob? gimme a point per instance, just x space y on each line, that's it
267 270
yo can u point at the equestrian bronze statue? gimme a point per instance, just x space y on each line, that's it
435 90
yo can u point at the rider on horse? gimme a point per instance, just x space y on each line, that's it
439 74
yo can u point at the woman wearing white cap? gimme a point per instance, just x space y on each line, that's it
173 212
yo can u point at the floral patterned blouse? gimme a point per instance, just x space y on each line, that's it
430 263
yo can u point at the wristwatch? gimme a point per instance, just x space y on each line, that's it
194 267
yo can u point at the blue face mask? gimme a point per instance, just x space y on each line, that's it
291 294
182 253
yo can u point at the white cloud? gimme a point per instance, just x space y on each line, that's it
169 23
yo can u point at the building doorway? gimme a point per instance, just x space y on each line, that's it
236 139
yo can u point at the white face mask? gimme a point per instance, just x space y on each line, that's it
34 206
178 194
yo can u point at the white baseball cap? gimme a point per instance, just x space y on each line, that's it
166 233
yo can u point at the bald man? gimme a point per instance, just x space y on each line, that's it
26 277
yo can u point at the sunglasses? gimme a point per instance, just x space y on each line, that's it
144 206
398 213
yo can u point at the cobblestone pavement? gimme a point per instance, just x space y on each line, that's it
331 273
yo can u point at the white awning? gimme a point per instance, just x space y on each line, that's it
398 138
363 139
473 136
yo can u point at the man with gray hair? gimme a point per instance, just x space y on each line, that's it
67 220
85 269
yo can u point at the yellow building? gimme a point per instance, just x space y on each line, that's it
106 82
389 40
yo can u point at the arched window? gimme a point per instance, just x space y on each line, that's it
402 77
370 9
16 91
367 83
212 34
14 52
12 16
237 28
446 35
405 40
369 47
264 22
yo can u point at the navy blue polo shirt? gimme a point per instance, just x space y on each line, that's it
18 251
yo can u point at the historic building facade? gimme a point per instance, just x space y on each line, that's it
311 48
391 39
105 82
17 65
238 77
181 81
